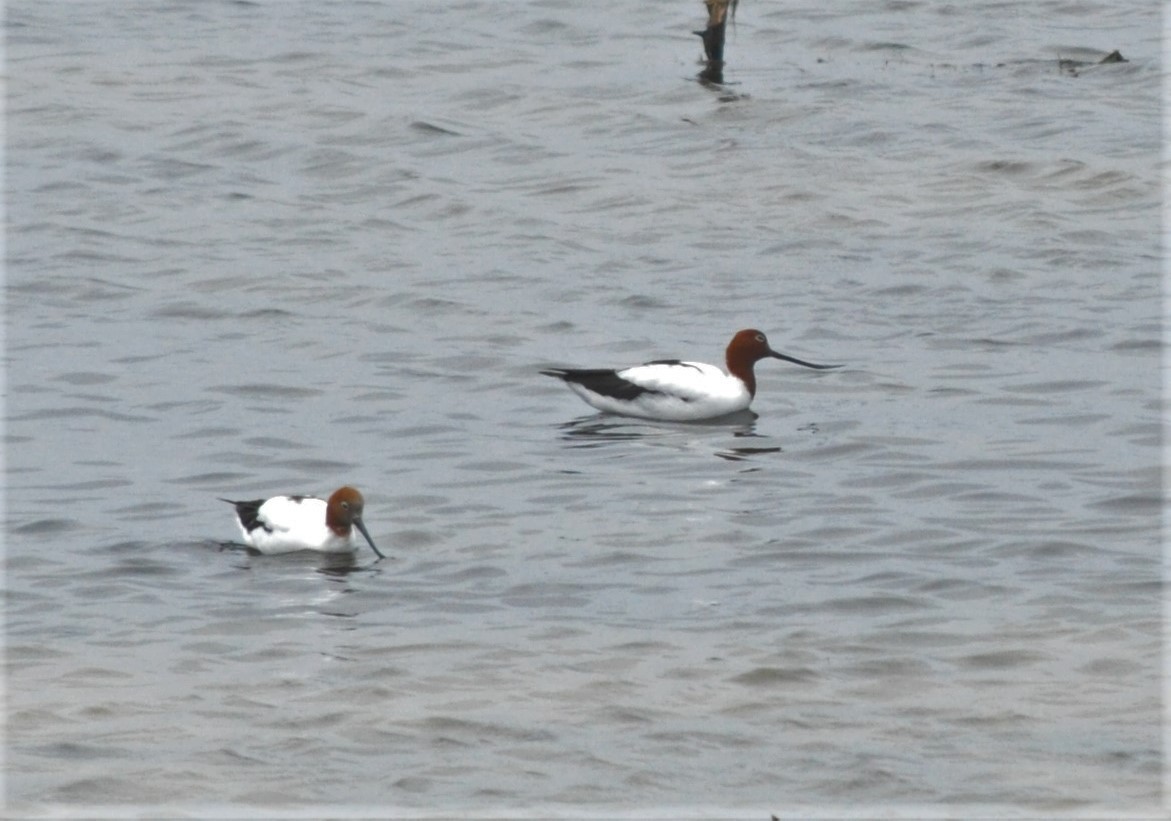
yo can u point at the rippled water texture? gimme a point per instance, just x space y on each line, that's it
276 247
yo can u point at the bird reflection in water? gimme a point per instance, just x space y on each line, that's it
600 430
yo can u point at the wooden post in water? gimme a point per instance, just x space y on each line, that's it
713 38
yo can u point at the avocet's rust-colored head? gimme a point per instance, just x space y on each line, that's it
344 510
749 347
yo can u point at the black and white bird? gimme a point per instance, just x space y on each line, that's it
676 391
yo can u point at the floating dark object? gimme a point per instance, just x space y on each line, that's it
1072 67
717 21
713 43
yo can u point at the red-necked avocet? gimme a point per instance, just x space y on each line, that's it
284 524
675 391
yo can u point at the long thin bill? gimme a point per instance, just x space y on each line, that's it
361 527
796 361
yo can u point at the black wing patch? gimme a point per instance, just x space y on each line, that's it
247 513
601 381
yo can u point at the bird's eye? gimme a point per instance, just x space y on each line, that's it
346 505
760 337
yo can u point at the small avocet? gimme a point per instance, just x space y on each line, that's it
676 391
284 524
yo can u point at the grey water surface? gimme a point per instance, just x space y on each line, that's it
269 247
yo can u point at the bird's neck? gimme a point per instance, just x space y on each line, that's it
745 374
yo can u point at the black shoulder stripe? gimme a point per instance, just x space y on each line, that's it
679 362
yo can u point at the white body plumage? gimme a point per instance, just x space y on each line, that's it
283 524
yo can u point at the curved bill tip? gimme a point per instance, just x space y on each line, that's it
362 529
801 362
